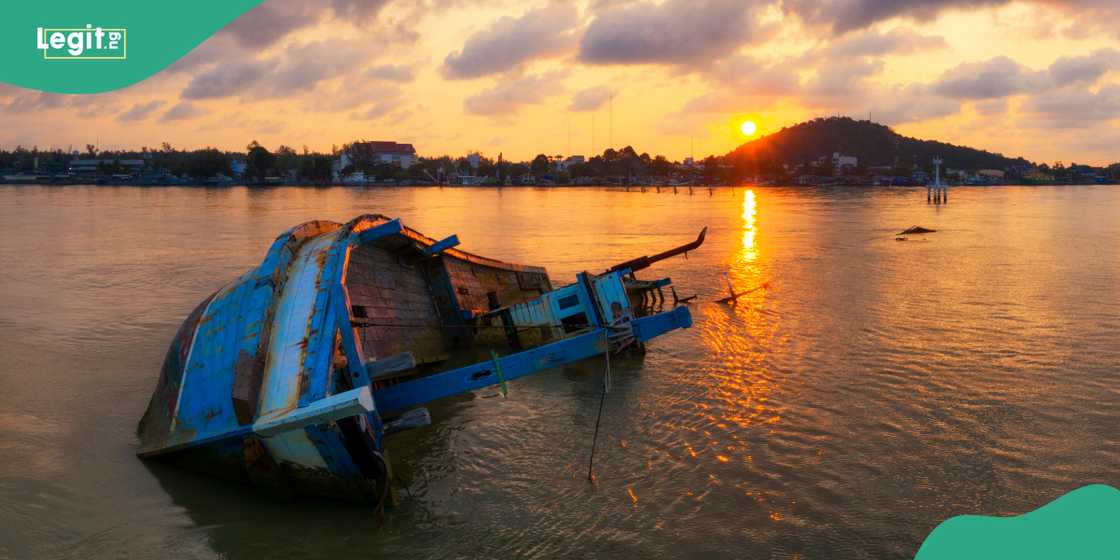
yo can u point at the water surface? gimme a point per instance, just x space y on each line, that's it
876 387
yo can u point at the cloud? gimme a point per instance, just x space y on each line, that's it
182 110
842 79
841 16
392 73
1066 107
140 111
991 107
388 101
997 77
510 42
357 10
508 96
298 68
747 75
224 80
1001 77
214 50
674 32
271 21
914 102
874 43
24 101
274 20
1082 18
305 65
19 101
590 99
1084 69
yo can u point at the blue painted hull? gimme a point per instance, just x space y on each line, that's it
287 377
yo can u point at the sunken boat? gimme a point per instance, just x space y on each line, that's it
293 376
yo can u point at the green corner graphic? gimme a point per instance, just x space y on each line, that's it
151 36
1084 524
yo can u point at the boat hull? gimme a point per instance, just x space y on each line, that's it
287 376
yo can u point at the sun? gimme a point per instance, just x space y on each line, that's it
748 128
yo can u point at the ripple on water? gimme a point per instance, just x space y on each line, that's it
871 390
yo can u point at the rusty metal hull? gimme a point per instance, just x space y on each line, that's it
287 376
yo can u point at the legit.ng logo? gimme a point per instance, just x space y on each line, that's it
88 43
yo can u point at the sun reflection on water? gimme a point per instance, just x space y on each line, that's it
750 253
739 337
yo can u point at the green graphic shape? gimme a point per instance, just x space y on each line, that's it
1083 524
156 35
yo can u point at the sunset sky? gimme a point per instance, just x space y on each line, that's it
1039 79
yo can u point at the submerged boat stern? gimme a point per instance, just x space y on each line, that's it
291 376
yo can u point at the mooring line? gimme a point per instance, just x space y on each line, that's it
599 417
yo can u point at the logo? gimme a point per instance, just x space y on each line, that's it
90 43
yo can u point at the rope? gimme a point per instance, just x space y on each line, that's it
599 417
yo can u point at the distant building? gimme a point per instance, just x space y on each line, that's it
402 155
563 165
991 173
90 166
238 168
840 161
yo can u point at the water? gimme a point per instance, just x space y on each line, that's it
875 389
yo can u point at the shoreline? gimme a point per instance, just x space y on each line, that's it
631 188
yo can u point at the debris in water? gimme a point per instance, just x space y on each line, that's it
915 230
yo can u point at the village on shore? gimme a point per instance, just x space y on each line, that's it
804 154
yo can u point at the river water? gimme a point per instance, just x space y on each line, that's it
874 389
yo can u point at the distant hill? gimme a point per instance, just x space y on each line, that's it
874 144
